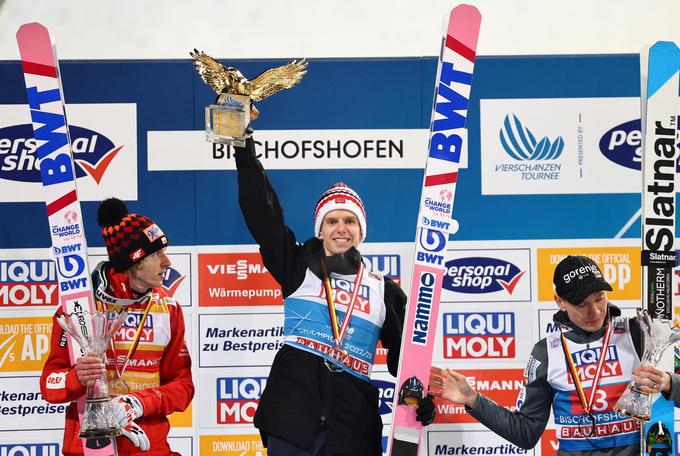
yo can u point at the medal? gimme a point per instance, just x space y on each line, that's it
340 328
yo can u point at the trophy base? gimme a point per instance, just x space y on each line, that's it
226 122
630 414
217 139
96 433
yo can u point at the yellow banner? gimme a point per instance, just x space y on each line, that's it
181 419
620 266
232 445
24 343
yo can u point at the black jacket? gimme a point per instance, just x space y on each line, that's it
302 396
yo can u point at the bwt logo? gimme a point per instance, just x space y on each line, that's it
586 363
172 280
29 449
386 265
128 330
241 269
431 241
385 396
92 152
520 144
28 282
479 335
481 275
237 398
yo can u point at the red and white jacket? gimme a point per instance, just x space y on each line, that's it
159 373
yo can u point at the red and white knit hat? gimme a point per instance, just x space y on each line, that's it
340 196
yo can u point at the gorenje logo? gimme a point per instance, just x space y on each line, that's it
29 449
92 152
237 398
481 275
520 144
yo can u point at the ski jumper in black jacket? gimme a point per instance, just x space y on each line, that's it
303 395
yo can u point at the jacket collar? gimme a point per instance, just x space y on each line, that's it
346 263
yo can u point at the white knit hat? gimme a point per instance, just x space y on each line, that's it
340 197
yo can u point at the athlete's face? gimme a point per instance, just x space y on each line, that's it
149 272
340 230
588 315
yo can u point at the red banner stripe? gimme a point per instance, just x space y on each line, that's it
60 203
441 179
460 48
39 69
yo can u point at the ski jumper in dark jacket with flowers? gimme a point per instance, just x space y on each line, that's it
313 387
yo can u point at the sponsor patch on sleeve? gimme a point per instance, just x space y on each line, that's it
62 340
56 380
530 370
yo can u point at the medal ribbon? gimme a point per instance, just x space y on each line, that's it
587 403
339 330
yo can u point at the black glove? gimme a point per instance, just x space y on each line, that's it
426 412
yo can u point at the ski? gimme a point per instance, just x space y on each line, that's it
435 222
69 246
660 106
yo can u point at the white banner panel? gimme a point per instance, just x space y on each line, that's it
22 406
560 146
227 340
470 442
295 149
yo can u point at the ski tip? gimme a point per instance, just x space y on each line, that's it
464 23
663 62
35 44
31 29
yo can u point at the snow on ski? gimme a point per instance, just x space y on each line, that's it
435 223
660 106
69 246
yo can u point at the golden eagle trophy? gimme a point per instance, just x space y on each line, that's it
227 120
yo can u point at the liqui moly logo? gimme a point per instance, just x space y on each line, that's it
388 265
93 152
479 335
586 363
343 290
481 275
28 283
128 330
237 398
29 449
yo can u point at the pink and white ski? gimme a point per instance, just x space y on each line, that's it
69 246
435 222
